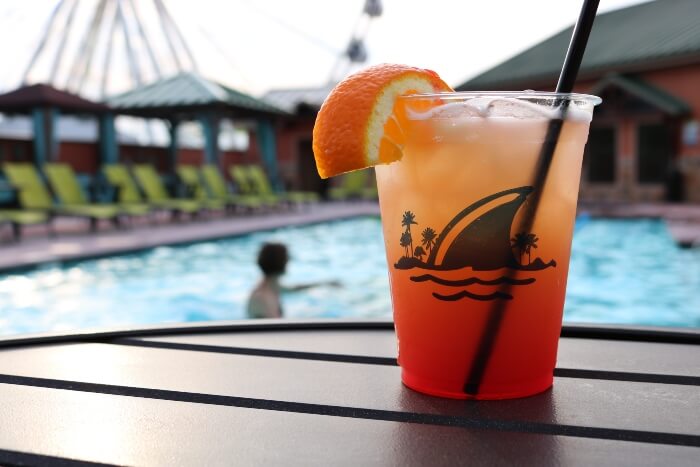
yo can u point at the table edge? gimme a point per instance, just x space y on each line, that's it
690 336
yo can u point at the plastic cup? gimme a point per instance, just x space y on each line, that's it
451 210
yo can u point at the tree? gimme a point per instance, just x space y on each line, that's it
408 220
428 240
406 242
419 252
524 242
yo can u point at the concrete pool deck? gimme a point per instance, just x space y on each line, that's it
73 240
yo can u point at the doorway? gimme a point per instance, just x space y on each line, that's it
600 155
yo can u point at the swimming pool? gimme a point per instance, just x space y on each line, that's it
622 271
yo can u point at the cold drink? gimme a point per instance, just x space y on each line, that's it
459 245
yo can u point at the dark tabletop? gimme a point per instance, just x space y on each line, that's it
329 393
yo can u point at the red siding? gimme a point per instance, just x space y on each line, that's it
682 82
157 156
288 138
16 150
83 157
190 156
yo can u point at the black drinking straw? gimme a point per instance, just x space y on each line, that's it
572 62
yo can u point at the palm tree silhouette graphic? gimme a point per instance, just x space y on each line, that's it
428 239
473 242
408 220
524 242
405 243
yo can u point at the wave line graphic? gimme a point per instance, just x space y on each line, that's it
472 280
467 294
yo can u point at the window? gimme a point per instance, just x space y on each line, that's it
600 155
654 153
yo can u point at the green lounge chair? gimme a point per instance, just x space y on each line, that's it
157 195
120 179
261 185
353 185
18 218
189 176
239 175
245 186
65 185
216 186
33 195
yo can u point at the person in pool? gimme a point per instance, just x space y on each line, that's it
264 301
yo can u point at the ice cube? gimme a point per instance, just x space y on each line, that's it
480 105
514 108
455 110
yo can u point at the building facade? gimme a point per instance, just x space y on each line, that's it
644 62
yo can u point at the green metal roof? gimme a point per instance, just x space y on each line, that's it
641 36
188 91
645 91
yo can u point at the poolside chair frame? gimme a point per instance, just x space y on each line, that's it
15 226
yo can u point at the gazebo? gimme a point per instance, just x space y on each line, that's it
187 97
45 104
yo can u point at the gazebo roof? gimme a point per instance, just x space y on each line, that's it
185 93
26 98
292 99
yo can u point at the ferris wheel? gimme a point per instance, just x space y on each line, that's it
82 42
356 51
92 54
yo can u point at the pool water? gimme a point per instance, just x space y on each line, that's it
632 272
621 272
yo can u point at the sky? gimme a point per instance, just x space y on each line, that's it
260 45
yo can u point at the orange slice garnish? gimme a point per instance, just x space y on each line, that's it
356 127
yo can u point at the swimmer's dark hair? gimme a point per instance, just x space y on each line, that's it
273 258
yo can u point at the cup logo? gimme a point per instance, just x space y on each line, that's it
484 244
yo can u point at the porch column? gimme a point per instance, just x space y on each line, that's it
268 150
44 121
53 117
173 125
109 149
210 128
39 136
